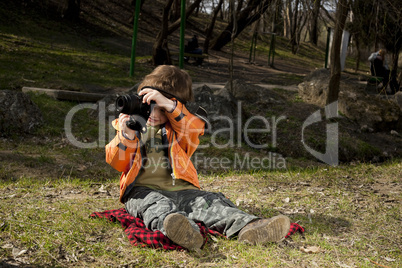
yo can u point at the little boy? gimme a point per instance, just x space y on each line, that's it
159 183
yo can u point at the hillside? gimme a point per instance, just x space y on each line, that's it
41 49
50 186
102 42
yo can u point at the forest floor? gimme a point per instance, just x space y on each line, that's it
49 187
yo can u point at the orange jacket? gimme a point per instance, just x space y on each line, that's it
182 129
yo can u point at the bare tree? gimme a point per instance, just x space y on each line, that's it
249 14
175 11
335 78
287 15
294 26
73 10
314 22
210 28
234 31
160 53
175 25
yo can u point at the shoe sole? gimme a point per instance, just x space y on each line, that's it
179 230
273 230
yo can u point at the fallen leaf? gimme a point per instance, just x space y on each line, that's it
7 246
310 249
102 189
82 168
3 226
343 265
18 252
389 259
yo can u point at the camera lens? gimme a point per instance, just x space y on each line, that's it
128 104
121 102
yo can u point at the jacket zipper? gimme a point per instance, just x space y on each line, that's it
172 162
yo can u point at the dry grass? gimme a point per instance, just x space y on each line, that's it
352 213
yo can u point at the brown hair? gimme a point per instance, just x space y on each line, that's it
171 79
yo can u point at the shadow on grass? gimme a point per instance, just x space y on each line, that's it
321 223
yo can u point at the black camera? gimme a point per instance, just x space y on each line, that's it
133 105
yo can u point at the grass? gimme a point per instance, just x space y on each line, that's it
39 52
32 62
49 187
341 208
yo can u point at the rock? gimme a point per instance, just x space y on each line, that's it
314 89
398 99
254 94
370 111
394 133
365 128
221 107
18 114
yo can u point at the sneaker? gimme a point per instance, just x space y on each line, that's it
179 230
265 230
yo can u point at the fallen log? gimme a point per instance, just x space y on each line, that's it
66 94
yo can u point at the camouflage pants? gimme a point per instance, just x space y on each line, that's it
214 210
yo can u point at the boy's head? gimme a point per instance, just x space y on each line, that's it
171 79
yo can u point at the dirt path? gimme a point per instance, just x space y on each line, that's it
216 70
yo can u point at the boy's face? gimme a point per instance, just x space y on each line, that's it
157 117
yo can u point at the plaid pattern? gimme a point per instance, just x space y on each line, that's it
139 235
294 227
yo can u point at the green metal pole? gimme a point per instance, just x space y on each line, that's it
134 39
251 49
255 45
182 30
273 49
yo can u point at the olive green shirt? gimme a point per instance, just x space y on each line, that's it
157 171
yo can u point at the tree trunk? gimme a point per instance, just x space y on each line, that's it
314 22
160 50
208 32
232 15
302 20
287 20
334 81
160 53
197 10
222 11
73 10
176 25
358 52
239 6
175 11
293 32
245 18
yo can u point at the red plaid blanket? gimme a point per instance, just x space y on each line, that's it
139 235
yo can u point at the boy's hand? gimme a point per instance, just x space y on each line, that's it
154 95
128 132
